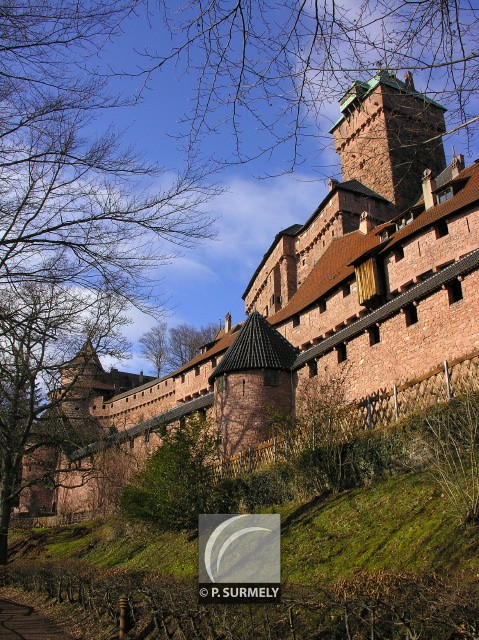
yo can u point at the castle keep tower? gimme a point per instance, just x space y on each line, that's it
388 134
253 376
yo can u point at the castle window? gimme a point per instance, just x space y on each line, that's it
322 306
132 443
384 236
454 291
270 378
441 229
213 362
346 289
272 300
296 320
221 383
398 254
197 371
265 312
182 378
342 352
444 195
411 314
244 386
374 335
313 368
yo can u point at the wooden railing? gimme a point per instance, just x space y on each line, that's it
451 378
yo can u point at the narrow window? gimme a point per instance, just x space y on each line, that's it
322 305
454 291
182 378
221 383
441 229
296 320
398 254
244 385
270 378
313 368
342 352
132 443
411 314
197 371
374 335
346 289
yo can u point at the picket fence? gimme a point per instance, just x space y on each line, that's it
451 378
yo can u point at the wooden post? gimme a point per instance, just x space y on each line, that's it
447 379
396 403
123 601
370 415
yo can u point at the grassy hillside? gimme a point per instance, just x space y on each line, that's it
400 524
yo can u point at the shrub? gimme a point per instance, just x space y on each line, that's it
175 485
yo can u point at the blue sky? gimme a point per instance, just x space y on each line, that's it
204 283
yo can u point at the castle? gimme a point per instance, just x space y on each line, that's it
383 278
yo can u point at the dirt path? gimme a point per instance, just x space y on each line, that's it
21 622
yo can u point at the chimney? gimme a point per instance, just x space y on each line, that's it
332 183
409 81
366 222
140 378
428 186
457 165
228 322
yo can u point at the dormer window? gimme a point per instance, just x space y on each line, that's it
384 236
442 196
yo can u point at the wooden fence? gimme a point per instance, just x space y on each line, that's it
451 378
29 522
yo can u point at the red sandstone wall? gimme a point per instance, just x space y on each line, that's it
426 252
374 144
242 409
442 332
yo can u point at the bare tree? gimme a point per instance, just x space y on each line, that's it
40 327
451 436
154 346
185 342
274 67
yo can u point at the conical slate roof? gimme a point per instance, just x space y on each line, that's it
258 346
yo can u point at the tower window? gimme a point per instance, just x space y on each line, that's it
296 320
441 229
411 314
342 352
313 368
454 291
374 335
346 289
398 254
270 378
322 305
221 383
197 371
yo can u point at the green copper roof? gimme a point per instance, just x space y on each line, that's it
360 90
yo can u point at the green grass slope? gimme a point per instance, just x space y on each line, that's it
400 524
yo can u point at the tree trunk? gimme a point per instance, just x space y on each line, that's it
5 512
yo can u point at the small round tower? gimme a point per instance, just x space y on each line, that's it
252 379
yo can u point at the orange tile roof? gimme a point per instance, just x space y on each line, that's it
333 267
